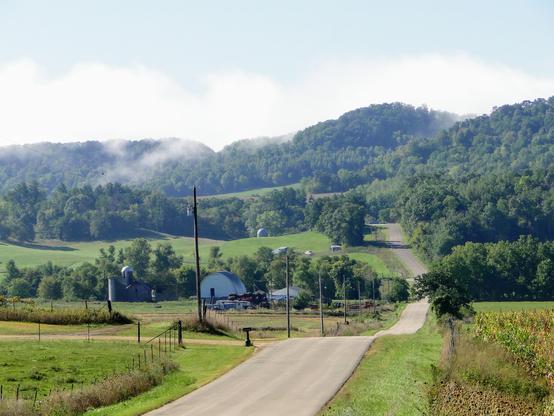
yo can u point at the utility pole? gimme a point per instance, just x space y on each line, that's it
197 256
344 292
321 329
359 301
373 285
288 292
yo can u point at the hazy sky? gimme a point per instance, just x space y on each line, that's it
220 71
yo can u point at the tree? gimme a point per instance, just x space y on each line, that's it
214 258
247 269
19 287
302 301
447 294
138 256
186 280
106 262
399 291
342 272
12 272
165 259
306 277
163 263
49 288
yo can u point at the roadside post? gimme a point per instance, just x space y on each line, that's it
285 251
248 342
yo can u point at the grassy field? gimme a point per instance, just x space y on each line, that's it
511 306
392 377
57 365
251 193
60 364
29 328
74 253
199 364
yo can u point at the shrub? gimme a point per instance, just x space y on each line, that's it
302 301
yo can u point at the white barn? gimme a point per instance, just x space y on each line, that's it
220 285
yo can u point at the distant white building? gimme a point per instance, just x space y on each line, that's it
335 248
262 232
220 285
281 294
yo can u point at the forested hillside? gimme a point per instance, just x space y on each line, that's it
174 166
483 179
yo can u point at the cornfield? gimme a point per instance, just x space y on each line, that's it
527 335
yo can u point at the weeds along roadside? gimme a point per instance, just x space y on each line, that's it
112 389
479 375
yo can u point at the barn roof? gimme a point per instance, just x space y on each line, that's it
232 278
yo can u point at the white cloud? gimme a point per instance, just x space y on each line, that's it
97 101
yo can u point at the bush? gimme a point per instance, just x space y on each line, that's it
302 301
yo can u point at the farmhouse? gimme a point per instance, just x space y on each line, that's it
220 285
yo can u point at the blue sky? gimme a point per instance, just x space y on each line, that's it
220 71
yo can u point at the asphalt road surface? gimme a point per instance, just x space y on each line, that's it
297 376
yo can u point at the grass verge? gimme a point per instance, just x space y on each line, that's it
392 378
198 365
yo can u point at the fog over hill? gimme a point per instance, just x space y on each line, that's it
175 165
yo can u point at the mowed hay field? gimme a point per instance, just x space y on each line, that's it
74 253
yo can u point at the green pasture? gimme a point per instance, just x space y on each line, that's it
31 328
60 365
74 253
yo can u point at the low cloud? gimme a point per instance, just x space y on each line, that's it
102 102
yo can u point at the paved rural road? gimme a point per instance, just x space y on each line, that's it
297 376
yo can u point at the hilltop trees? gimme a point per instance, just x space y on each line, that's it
347 143
440 213
518 270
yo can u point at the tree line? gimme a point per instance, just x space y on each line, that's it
166 272
502 271
115 211
440 213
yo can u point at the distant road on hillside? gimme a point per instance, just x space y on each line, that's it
401 249
297 376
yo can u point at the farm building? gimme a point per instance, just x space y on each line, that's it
262 232
220 285
335 247
126 289
281 294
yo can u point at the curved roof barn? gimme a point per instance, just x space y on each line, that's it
220 285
